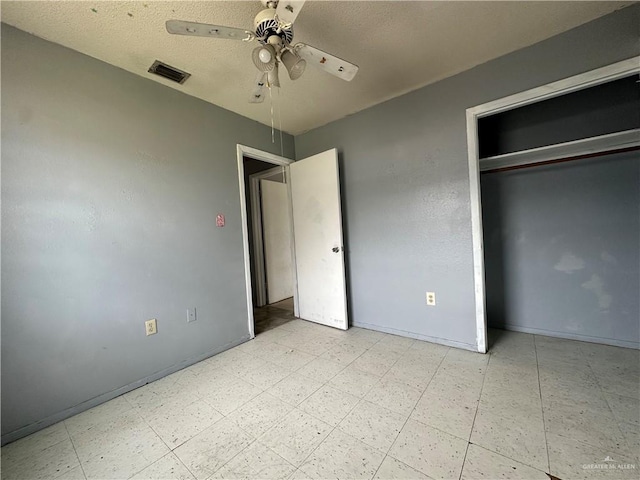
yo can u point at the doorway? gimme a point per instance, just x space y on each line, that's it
317 250
254 166
271 239
271 236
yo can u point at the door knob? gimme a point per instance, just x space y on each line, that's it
335 249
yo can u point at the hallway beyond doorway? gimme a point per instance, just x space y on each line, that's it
272 316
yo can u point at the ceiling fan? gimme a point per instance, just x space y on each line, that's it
273 29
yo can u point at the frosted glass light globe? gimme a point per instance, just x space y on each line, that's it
264 55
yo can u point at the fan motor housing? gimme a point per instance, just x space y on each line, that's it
266 26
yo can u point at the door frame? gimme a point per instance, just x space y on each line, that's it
571 84
255 197
241 152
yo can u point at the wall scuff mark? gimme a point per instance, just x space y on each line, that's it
596 285
569 263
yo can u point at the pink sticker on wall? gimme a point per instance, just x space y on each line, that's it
220 220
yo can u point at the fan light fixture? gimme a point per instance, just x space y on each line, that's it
273 29
264 55
294 64
264 58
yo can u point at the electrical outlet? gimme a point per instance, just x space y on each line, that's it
191 315
150 327
431 299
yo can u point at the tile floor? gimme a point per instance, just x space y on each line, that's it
304 401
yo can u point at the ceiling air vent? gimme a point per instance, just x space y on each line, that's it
167 71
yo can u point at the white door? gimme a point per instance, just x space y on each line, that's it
317 227
276 230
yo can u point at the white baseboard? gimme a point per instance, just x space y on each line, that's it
570 336
418 336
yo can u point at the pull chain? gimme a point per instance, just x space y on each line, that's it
273 138
280 126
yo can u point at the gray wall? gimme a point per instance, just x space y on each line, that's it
110 188
562 249
405 182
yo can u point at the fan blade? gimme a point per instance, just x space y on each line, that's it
288 10
259 87
180 27
327 62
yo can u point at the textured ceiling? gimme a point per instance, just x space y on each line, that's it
399 46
